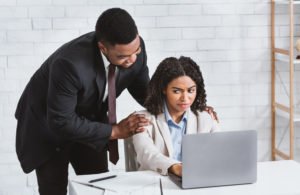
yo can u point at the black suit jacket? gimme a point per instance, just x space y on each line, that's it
63 102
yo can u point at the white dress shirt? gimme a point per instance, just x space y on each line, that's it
106 66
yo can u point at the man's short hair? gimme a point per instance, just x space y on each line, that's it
116 26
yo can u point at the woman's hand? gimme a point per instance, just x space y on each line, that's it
176 169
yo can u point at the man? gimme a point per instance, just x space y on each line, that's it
62 113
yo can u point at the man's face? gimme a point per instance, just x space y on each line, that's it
123 55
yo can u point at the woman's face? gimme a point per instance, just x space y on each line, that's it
180 94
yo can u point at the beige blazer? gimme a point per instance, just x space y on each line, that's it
154 146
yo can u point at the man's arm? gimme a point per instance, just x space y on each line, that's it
64 85
62 101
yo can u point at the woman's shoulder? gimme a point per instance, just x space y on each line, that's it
143 112
146 113
150 127
204 115
205 118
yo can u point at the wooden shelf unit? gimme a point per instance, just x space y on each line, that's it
287 56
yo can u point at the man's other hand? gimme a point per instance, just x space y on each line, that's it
212 113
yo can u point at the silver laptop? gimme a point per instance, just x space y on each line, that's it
218 159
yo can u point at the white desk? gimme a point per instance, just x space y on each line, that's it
274 177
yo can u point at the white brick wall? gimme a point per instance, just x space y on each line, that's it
230 39
46 12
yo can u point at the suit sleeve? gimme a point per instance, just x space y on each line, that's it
138 88
148 155
64 85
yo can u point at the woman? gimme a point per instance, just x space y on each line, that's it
175 106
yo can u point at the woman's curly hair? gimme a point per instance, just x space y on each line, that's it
168 70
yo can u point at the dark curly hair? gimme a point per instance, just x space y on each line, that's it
116 26
168 70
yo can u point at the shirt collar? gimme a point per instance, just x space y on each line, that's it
105 61
169 118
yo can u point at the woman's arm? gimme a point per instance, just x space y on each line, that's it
148 155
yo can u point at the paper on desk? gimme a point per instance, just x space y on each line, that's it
128 183
124 183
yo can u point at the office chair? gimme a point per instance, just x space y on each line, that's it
131 163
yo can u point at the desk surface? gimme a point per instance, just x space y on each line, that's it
273 177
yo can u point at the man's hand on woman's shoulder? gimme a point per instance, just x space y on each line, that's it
129 126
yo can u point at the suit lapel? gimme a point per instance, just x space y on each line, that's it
165 132
100 77
192 124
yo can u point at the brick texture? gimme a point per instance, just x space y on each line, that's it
230 39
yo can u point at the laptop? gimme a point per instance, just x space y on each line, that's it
218 159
